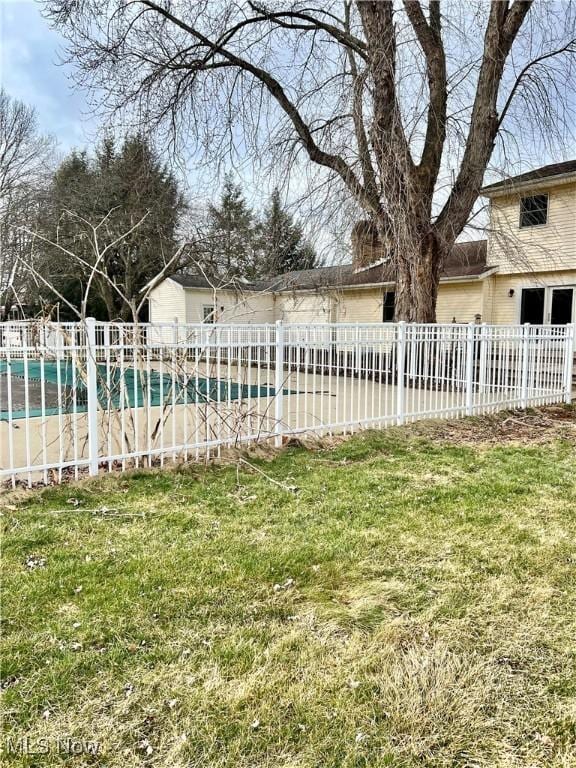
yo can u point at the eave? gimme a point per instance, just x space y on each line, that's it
512 188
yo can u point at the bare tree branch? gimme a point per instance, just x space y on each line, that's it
389 111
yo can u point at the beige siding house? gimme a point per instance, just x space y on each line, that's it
532 244
524 272
190 299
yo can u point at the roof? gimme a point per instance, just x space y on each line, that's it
465 260
200 281
544 172
191 281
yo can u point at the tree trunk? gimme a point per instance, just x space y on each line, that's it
106 294
417 280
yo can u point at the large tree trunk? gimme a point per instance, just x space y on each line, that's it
106 294
392 169
417 280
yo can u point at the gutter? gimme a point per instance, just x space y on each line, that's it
350 286
463 279
389 284
545 182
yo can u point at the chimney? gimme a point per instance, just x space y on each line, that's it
367 248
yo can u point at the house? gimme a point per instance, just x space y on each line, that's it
532 245
525 272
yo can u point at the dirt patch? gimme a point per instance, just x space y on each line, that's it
532 427
536 426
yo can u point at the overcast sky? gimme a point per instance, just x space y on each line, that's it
30 72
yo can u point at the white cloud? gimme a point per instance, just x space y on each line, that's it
30 71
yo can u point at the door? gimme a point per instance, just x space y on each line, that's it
561 306
532 306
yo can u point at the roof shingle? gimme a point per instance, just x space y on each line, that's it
544 172
465 260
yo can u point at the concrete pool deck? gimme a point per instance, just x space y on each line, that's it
313 403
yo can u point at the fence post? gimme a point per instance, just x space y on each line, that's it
400 367
279 384
570 341
470 369
92 395
357 351
525 358
483 362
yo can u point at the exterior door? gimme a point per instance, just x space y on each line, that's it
532 306
561 306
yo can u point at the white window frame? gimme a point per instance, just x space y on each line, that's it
534 226
208 314
548 289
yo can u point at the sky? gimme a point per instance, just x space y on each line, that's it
30 71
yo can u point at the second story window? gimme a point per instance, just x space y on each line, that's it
533 211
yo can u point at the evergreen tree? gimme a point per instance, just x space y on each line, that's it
121 186
231 233
282 246
72 183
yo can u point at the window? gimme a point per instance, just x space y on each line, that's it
208 314
561 305
532 306
388 307
534 211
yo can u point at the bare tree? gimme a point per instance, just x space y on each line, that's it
401 105
24 156
93 265
180 360
23 150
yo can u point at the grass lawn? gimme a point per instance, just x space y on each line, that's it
410 602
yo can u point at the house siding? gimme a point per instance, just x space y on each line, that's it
167 303
304 307
250 308
196 299
460 302
359 306
550 246
501 308
230 306
456 301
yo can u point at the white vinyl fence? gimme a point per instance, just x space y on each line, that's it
82 398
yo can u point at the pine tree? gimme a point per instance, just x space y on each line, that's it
282 246
70 189
231 234
122 184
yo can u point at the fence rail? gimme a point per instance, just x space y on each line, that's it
88 397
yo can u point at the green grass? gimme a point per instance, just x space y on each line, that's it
424 613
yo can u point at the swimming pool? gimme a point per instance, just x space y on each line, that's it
58 387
